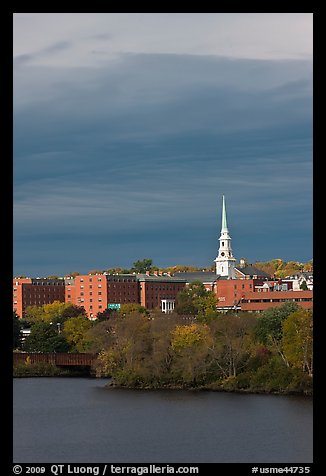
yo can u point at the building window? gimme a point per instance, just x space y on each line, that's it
81 287
100 285
99 279
81 280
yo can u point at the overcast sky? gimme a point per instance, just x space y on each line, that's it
129 128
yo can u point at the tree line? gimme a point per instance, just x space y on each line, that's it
275 267
194 347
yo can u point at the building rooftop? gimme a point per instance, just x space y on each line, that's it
250 270
160 278
202 276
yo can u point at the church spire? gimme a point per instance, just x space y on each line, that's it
224 223
225 261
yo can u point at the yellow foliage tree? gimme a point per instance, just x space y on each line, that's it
297 340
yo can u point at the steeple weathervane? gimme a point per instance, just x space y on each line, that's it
225 261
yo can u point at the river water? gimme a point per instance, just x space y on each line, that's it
79 420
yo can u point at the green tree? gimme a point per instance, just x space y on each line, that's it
269 330
189 297
71 310
297 340
44 337
75 331
303 286
106 314
16 331
141 266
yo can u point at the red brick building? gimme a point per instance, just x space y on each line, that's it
36 292
159 291
98 292
258 295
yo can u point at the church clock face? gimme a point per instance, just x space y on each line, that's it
222 254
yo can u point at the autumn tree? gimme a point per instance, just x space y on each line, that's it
75 331
132 308
191 344
56 312
127 358
162 357
100 336
297 340
233 343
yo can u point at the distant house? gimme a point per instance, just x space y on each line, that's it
299 278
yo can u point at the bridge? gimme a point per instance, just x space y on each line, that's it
59 359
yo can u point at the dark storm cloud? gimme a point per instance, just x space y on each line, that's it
135 157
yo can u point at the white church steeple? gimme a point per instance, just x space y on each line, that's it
225 261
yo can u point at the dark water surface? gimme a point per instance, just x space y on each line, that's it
71 420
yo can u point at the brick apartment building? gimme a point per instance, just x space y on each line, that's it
98 292
36 292
159 291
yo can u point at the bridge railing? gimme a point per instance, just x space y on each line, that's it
82 359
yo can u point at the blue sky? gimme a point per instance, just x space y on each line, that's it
129 128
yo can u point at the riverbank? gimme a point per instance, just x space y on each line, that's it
302 387
220 386
42 369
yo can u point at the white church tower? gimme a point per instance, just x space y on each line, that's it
225 262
